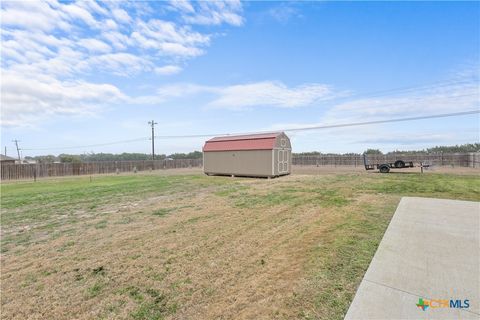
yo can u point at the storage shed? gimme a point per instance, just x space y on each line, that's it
255 155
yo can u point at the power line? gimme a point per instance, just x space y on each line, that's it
342 125
444 115
367 95
403 90
419 100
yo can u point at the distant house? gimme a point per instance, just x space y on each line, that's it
6 159
255 155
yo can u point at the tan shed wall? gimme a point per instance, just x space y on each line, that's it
240 163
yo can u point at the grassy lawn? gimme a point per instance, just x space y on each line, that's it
150 246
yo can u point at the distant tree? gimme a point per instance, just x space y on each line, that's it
132 156
373 151
46 159
126 156
408 152
195 155
468 147
191 155
311 153
117 157
69 158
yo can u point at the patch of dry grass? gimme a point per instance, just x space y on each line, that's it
196 247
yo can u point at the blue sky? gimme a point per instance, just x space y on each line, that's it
82 73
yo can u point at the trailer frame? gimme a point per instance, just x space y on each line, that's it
386 166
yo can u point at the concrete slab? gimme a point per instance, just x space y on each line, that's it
431 250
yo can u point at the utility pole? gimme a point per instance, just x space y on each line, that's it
18 149
153 123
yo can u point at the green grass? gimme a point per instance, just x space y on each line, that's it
154 308
428 185
340 260
338 263
47 206
323 197
166 211
151 303
95 290
65 196
162 212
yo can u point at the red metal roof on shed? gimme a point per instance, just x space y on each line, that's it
263 141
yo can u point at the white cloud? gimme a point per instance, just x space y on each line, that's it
454 97
177 49
169 39
168 70
284 12
33 15
75 13
183 89
118 40
110 24
154 38
210 12
143 36
122 64
270 93
266 93
182 6
459 95
121 16
93 7
57 44
25 100
94 45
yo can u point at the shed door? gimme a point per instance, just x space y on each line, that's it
286 157
282 161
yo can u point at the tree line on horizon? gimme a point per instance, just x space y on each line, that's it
463 148
126 156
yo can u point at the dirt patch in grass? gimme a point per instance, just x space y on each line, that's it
201 248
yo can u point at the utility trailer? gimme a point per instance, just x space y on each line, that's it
385 167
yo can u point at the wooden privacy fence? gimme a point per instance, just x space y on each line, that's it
31 171
440 159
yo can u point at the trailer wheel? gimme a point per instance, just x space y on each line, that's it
384 168
399 164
